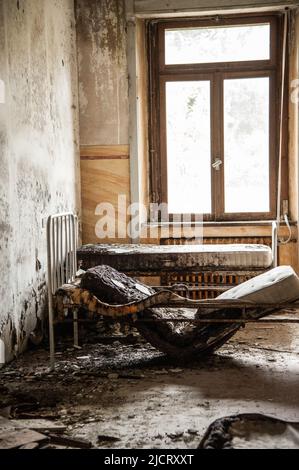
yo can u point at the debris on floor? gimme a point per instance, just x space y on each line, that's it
121 394
20 438
251 431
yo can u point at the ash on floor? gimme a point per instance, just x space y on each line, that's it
124 395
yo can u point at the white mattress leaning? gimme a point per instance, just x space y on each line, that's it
280 284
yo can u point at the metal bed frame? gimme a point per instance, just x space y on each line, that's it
62 243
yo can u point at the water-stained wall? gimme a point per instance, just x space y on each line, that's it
101 28
39 157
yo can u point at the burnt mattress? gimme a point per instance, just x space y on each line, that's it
142 258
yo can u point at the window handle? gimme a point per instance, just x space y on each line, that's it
217 164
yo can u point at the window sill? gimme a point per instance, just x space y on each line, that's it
214 223
153 231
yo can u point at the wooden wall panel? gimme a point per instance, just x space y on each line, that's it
288 255
103 180
293 117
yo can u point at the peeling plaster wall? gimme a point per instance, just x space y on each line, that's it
103 76
39 157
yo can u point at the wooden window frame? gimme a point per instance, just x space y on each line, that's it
160 73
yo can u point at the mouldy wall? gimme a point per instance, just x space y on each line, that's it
39 157
104 107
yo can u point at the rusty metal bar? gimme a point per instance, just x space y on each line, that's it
222 304
76 297
211 287
195 321
219 320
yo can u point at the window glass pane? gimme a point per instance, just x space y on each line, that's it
246 145
188 147
217 44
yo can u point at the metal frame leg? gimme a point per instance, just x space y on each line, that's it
76 328
51 334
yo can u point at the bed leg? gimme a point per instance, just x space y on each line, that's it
76 329
51 334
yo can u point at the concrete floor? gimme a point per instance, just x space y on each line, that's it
133 397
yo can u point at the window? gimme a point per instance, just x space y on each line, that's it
214 116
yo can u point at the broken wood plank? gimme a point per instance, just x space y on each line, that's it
19 438
30 446
39 425
70 441
104 438
37 415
